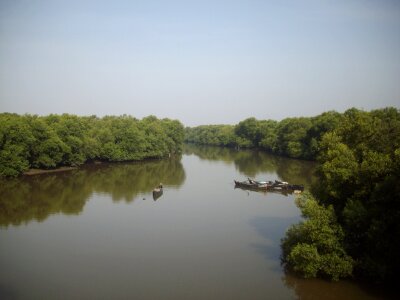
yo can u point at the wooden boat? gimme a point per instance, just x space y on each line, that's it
277 186
251 185
157 192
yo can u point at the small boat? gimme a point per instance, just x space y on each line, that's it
251 184
157 192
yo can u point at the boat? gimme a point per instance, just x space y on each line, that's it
251 185
157 192
277 186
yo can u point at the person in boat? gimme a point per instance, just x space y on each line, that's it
157 192
158 188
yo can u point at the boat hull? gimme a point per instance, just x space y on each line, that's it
277 186
251 186
157 193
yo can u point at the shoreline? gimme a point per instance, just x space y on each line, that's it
32 172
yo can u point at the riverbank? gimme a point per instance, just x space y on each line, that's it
32 172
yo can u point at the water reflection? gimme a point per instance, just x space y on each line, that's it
321 289
271 229
252 163
37 197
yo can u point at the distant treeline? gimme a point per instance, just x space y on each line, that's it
31 141
352 218
292 137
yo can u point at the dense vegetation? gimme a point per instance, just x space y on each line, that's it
292 137
315 246
358 177
353 226
30 141
359 174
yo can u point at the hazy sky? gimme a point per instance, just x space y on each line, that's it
202 62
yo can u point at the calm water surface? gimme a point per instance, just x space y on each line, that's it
97 233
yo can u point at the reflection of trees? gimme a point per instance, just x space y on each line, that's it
126 181
321 289
246 161
254 162
211 152
27 198
251 163
296 171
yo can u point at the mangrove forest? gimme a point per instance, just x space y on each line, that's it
47 142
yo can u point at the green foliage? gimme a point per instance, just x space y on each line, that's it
305 259
48 149
326 122
359 175
292 137
314 247
175 134
214 135
15 141
47 142
13 160
249 130
291 132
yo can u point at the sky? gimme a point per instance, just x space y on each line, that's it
201 62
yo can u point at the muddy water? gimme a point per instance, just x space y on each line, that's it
97 232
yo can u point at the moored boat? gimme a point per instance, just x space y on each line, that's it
251 184
277 185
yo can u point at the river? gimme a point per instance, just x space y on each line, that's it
97 233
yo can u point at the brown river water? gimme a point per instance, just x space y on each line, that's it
97 233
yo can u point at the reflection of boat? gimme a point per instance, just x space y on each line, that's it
276 186
157 192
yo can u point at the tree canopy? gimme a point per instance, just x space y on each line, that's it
31 141
358 181
292 137
359 172
315 246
